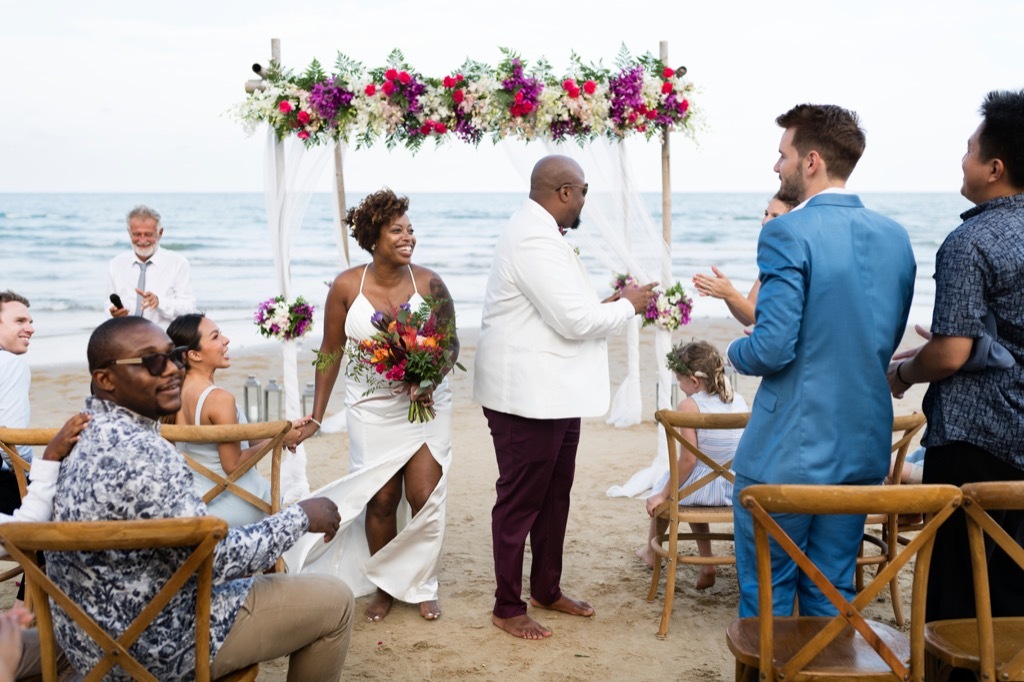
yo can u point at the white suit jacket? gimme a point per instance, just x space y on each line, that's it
542 352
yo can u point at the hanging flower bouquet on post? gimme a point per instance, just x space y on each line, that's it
278 319
409 349
670 309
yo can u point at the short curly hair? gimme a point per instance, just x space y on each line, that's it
373 214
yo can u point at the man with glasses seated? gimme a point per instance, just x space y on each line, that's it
122 469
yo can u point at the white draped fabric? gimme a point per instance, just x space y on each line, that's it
291 172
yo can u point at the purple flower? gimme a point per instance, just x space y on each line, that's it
327 98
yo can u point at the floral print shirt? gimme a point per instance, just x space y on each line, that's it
122 468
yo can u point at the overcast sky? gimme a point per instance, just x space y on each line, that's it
130 96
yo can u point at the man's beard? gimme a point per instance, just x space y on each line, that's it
145 252
576 223
791 189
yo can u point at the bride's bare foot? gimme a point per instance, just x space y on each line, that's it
379 606
574 607
430 610
645 555
706 578
522 626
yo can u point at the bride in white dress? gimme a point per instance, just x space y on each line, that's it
392 501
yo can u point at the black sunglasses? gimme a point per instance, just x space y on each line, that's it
585 186
155 363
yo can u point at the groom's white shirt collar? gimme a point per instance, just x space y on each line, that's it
827 190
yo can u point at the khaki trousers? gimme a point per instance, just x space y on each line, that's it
305 617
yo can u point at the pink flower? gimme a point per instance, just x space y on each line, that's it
590 87
449 82
667 73
651 115
303 134
666 88
458 77
684 106
285 106
632 117
458 96
440 128
404 77
388 87
568 84
574 93
527 107
371 90
427 126
303 117
641 128
519 96
391 74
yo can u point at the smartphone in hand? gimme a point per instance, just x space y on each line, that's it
116 300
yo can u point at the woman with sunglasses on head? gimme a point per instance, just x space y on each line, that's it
204 403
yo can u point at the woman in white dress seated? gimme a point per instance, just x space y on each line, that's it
392 501
700 371
204 403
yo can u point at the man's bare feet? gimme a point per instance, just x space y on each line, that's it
574 607
430 610
645 555
521 626
706 578
379 606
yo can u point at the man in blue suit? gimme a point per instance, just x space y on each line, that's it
836 287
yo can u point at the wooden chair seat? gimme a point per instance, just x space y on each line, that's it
956 641
848 651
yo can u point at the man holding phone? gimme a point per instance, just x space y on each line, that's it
151 282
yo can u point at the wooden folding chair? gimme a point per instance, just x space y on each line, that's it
23 540
847 646
10 439
993 648
670 510
904 428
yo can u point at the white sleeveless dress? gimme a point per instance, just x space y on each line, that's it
230 507
381 441
720 445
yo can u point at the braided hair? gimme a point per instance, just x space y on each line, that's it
702 360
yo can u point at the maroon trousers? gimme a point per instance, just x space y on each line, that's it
536 465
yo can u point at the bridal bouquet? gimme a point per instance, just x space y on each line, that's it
278 319
670 309
410 348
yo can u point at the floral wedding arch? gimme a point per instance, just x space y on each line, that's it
310 113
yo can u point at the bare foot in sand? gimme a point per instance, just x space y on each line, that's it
573 607
522 626
645 555
706 578
430 610
379 606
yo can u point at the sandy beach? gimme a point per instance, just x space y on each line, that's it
617 643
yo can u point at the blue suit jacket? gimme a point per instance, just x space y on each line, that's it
836 286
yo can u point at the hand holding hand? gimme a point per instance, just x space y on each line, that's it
294 437
61 445
640 297
323 516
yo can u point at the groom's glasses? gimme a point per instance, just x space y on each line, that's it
585 186
155 363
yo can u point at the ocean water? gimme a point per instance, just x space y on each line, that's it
55 249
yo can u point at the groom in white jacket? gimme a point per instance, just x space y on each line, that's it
541 365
